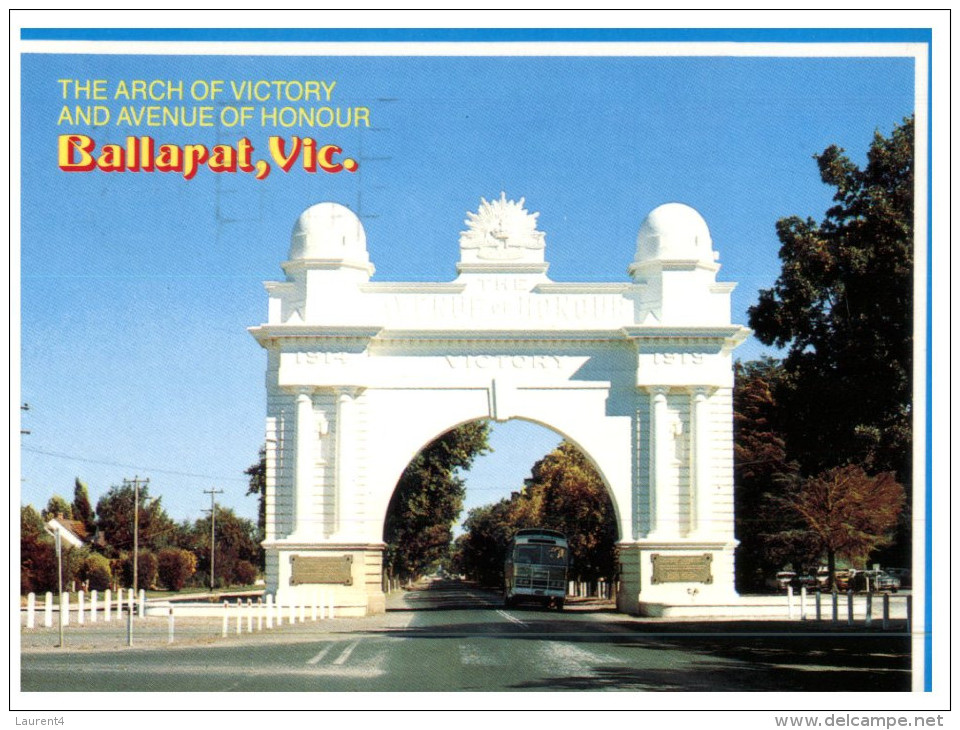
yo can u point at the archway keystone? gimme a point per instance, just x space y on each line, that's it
362 374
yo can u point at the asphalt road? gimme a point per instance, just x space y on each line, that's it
454 637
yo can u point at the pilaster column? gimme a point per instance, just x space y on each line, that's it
345 474
702 476
665 507
303 470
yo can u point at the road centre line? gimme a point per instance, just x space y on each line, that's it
321 655
512 618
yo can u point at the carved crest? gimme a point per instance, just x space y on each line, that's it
501 230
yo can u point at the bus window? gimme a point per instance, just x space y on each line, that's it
528 554
556 556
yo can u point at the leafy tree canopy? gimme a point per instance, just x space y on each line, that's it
115 517
429 498
842 307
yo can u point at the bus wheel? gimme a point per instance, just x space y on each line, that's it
559 604
509 601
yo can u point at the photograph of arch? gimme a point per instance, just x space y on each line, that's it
324 321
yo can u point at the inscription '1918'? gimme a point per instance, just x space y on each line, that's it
539 362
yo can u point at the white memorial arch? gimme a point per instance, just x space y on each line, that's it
361 375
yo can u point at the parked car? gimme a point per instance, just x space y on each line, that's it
903 574
782 579
886 581
843 578
876 581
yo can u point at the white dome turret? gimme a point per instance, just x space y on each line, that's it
674 232
329 235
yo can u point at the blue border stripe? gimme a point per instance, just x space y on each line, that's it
501 35
928 464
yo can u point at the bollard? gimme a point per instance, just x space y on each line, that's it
31 608
269 610
303 611
170 626
130 621
849 608
886 611
131 607
142 604
836 612
48 610
803 603
239 615
279 607
817 596
313 605
249 616
909 614
868 618
322 608
790 602
93 606
64 616
106 605
293 611
226 606
260 614
80 607
330 606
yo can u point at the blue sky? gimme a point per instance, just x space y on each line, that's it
137 289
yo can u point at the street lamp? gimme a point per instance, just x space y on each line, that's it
53 527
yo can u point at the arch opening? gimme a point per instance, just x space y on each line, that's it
499 478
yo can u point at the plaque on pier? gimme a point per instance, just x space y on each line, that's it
681 568
315 569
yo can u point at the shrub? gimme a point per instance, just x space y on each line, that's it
244 572
174 567
95 572
146 570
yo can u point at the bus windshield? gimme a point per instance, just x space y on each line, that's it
541 555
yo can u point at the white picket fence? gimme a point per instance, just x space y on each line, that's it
235 616
870 608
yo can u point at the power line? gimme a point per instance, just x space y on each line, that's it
130 466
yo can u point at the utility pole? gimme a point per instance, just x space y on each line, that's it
136 482
213 528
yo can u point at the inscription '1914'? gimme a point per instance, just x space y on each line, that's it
536 362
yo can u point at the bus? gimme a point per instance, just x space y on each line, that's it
536 568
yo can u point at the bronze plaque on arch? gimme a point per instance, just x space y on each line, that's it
316 569
681 568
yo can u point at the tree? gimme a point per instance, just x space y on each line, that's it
175 566
428 499
236 542
842 307
81 509
573 499
481 550
258 485
38 559
850 513
565 493
57 507
115 518
766 533
95 572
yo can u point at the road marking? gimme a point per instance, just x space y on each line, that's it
346 653
512 618
321 655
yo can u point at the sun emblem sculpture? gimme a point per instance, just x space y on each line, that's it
502 230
